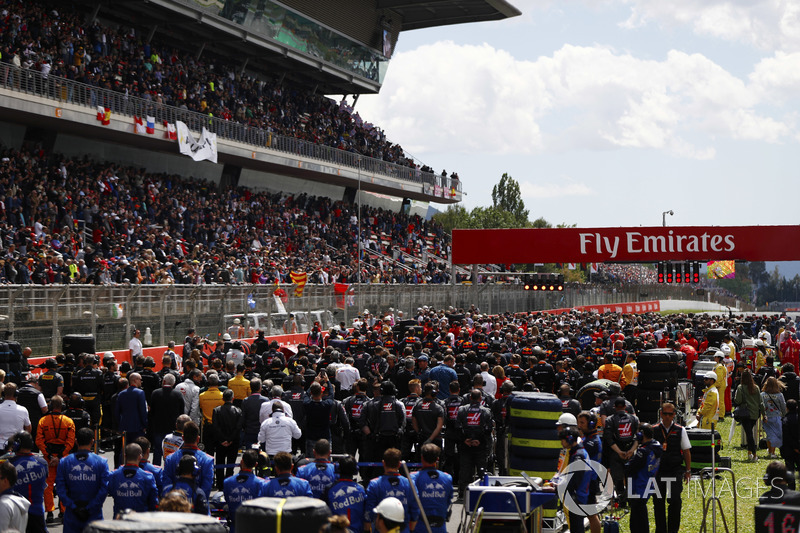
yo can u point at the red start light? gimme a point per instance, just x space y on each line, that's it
552 287
536 287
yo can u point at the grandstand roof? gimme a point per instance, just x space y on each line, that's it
430 13
193 27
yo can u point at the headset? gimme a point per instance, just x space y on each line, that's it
591 419
569 434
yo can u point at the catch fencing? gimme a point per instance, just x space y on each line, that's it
39 316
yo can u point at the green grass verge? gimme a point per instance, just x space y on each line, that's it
749 486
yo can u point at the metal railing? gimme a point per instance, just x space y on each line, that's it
39 316
69 91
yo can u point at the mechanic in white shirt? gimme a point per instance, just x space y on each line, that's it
135 345
277 431
489 379
347 374
275 394
13 418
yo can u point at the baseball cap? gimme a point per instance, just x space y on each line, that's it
422 358
391 509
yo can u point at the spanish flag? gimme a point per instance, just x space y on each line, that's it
300 279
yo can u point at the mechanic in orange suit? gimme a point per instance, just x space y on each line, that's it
55 439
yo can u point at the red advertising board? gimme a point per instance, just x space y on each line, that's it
156 352
597 245
651 306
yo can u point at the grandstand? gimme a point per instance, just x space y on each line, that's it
253 73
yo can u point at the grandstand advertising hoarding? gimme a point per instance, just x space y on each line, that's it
642 244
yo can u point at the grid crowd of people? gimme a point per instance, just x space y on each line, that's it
435 389
75 220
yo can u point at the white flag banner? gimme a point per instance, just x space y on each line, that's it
206 149
208 141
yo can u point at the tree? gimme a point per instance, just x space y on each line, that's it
541 223
454 217
507 197
492 218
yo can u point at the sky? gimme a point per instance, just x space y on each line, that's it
610 112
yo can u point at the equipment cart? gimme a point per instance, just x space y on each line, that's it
508 504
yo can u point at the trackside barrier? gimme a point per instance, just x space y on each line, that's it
653 306
156 352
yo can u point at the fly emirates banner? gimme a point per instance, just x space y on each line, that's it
596 245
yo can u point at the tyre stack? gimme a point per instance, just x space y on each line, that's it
658 373
702 448
534 445
586 393
122 526
15 360
194 523
281 515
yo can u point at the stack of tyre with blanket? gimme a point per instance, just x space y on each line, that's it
586 394
702 449
281 515
158 522
533 441
658 373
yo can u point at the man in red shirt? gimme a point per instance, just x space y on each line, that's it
790 350
691 357
617 336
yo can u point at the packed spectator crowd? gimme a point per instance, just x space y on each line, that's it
435 388
626 274
53 38
78 221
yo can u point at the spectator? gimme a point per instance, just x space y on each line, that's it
775 410
748 398
776 478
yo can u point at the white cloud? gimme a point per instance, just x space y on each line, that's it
553 190
445 97
777 76
766 24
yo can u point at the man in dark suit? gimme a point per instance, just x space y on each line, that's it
131 409
166 405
